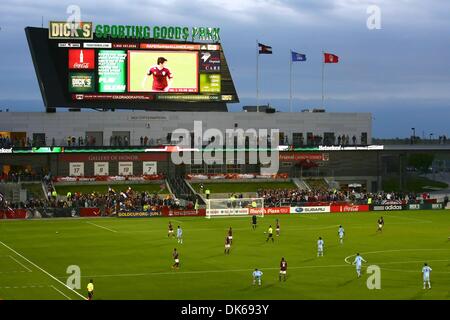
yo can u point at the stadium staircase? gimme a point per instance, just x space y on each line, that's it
181 190
317 184
300 184
13 192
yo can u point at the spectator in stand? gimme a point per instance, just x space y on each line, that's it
142 140
145 141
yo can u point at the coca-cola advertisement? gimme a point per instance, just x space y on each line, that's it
350 208
81 59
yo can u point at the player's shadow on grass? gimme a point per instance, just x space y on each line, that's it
343 284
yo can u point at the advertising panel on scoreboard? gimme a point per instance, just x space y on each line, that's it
177 73
111 71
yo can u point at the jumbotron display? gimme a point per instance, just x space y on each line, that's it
149 74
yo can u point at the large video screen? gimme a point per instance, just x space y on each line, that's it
162 71
130 74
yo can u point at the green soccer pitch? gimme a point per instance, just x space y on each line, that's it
132 258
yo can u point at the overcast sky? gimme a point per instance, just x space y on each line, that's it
400 73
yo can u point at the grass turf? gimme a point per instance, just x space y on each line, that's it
103 188
131 258
228 187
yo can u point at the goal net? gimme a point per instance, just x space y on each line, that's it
236 207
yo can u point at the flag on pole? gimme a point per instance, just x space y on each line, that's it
298 56
263 49
330 58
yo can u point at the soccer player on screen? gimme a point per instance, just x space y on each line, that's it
277 228
162 77
283 269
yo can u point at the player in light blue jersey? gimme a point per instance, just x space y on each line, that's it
320 247
426 270
180 235
257 274
358 261
341 233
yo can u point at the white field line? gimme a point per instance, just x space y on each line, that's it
395 250
239 270
37 267
203 271
21 264
91 223
68 298
361 226
25 287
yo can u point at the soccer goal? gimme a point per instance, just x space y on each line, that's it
236 207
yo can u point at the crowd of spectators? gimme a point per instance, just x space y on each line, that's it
279 197
109 203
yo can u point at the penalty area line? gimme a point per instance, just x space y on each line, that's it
98 226
37 267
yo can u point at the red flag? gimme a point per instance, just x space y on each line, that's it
330 58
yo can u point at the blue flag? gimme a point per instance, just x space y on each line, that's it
298 56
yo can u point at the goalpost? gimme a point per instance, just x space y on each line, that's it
235 208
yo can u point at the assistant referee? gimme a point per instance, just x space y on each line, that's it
90 289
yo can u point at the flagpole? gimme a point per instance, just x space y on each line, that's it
290 83
257 76
323 70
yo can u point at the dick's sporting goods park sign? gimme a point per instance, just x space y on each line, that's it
86 30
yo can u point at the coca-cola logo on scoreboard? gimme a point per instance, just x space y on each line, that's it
81 59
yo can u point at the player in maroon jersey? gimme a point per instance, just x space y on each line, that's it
162 77
283 269
170 230
175 258
227 245
230 235
278 228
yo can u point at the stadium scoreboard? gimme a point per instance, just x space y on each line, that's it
118 67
